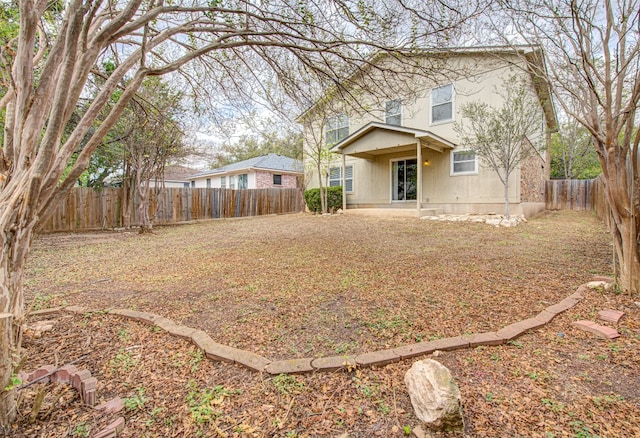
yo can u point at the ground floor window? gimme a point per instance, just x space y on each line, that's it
208 183
335 178
243 181
223 182
464 163
232 181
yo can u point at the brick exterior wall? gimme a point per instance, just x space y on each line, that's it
264 180
532 179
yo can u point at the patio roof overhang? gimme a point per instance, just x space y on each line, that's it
379 138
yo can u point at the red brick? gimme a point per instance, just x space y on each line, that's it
89 397
516 329
377 358
77 378
89 384
562 306
41 372
112 430
610 315
598 330
291 366
112 406
413 350
333 363
64 374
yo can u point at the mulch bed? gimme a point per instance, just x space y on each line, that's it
297 286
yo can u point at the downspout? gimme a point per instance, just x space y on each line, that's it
419 176
344 183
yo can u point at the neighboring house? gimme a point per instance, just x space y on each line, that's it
264 172
403 152
175 176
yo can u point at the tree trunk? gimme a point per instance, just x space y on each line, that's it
17 223
507 212
323 196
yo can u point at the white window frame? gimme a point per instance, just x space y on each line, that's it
388 115
338 127
208 183
468 172
232 182
223 182
335 177
452 101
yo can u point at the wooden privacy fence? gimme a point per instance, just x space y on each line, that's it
586 194
90 209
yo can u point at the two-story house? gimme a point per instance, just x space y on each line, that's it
404 152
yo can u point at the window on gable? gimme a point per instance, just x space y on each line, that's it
442 104
464 163
393 112
277 180
336 129
335 178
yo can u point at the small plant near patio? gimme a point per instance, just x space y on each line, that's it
123 362
553 405
202 401
81 430
196 358
287 384
406 430
124 335
135 402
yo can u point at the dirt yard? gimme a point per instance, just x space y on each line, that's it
311 286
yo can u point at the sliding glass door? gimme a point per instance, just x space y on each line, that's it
404 178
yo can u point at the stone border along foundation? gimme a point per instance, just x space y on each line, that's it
215 351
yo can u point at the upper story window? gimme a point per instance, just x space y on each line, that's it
393 112
464 163
277 180
442 104
337 128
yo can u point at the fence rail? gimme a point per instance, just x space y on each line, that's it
578 195
90 209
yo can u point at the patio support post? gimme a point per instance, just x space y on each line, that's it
419 176
344 183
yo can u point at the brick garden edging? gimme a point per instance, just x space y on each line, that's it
216 351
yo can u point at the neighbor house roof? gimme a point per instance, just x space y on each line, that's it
273 162
179 173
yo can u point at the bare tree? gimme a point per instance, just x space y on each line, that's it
593 48
235 42
503 137
572 153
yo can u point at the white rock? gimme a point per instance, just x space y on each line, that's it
434 395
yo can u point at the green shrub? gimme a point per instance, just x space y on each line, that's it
334 199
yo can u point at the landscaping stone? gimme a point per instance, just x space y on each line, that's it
610 315
77 378
545 316
333 363
112 406
47 311
600 284
64 374
377 358
562 306
487 338
41 372
224 353
112 430
598 330
291 366
75 309
435 397
603 278
413 350
516 329
250 360
449 344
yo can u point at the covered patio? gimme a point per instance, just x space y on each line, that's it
376 139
